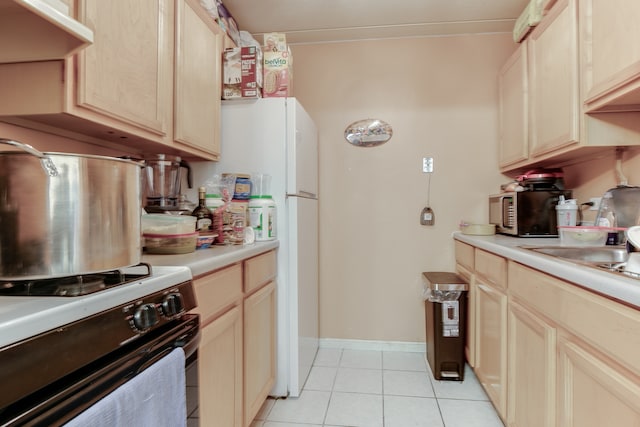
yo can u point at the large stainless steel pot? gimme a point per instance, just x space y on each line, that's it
66 214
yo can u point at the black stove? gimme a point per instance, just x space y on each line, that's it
72 286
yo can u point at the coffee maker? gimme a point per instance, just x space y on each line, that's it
163 178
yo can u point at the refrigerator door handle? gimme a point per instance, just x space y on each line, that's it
305 194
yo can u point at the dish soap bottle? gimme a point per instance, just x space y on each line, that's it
202 212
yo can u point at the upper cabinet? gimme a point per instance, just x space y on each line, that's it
548 123
514 108
610 42
555 108
197 79
38 30
149 83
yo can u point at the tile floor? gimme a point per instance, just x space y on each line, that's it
359 388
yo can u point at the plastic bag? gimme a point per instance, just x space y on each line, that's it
439 295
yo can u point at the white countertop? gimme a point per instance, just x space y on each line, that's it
203 261
615 286
23 317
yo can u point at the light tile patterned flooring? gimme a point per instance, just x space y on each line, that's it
362 388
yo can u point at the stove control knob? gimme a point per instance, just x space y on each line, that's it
172 305
145 317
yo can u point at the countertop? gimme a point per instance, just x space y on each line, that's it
203 261
613 285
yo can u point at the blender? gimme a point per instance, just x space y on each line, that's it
163 178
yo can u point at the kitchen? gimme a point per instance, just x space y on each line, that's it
441 96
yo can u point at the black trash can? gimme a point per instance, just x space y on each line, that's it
445 306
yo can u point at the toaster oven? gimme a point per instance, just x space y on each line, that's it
526 213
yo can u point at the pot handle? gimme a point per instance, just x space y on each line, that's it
47 163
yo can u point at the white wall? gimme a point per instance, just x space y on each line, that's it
440 96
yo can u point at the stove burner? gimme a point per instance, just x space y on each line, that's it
71 286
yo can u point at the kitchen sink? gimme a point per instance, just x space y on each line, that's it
585 254
614 259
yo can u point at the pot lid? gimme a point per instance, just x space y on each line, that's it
541 173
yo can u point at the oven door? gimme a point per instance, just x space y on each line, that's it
61 401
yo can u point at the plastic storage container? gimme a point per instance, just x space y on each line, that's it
168 224
262 217
170 243
585 236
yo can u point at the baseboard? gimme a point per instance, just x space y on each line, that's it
409 347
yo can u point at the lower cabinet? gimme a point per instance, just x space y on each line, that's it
236 356
260 355
220 371
491 343
594 391
549 353
531 369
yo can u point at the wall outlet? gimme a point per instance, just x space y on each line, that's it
427 164
596 203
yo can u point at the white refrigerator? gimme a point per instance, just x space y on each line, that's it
276 136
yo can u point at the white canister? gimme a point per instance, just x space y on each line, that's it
262 217
567 211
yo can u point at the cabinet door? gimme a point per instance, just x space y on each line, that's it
553 81
220 371
491 344
514 108
126 73
470 344
609 35
198 55
260 348
531 369
593 390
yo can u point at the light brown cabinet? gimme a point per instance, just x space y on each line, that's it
513 108
486 346
236 357
555 107
559 68
491 343
573 361
120 90
610 56
220 354
594 390
197 79
464 268
531 369
547 352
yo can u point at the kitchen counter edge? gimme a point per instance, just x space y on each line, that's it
204 261
615 286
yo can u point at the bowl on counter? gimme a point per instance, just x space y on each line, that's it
478 229
205 240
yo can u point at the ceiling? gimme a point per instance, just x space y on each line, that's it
319 21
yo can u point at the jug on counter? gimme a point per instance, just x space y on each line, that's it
163 178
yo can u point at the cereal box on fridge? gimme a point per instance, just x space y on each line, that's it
275 42
277 69
242 72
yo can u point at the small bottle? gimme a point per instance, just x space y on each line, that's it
202 212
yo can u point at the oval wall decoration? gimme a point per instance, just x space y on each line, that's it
368 133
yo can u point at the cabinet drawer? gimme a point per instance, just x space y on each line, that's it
492 267
217 291
259 270
464 254
608 326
